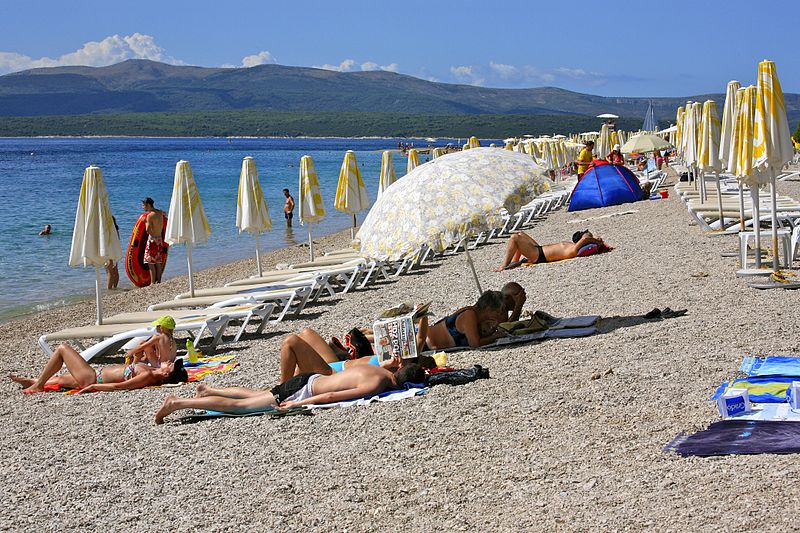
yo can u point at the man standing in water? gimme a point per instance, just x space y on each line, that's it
288 208
154 250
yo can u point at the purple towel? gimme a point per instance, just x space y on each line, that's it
739 437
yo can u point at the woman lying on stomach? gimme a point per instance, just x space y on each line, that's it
472 326
80 375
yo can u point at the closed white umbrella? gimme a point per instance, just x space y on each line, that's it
603 144
310 204
94 237
387 176
728 123
351 194
252 214
186 222
772 143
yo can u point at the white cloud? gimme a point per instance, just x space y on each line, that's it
344 66
261 58
371 65
503 70
349 65
110 50
467 74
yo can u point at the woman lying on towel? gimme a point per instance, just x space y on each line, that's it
80 375
307 351
522 248
472 326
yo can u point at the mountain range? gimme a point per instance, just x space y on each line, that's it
137 86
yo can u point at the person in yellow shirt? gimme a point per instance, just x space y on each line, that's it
585 158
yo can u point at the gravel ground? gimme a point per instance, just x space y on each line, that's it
540 446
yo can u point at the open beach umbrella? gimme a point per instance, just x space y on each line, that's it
310 205
474 142
413 160
252 214
94 239
772 144
643 143
351 194
448 199
186 221
708 157
387 176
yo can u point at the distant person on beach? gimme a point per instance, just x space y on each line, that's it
80 375
46 230
155 248
303 389
288 208
472 326
615 157
159 348
585 158
514 298
522 248
112 272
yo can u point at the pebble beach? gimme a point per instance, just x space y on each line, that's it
541 446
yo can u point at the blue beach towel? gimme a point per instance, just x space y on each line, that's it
765 389
771 365
738 437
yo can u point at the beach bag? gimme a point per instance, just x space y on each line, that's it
458 377
357 345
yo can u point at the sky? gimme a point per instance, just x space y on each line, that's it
621 48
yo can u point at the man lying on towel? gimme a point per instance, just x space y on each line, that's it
358 381
523 249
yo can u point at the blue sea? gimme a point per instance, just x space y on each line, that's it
40 179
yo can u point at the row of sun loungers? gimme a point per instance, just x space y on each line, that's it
270 297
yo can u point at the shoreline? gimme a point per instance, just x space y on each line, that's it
367 137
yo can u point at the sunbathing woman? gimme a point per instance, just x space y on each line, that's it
522 248
80 375
472 326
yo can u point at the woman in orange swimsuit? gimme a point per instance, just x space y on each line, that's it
80 375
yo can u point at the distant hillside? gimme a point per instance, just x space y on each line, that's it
140 86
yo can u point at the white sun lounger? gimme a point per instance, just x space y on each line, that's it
117 333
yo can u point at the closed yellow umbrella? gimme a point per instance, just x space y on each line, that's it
252 214
310 206
708 160
772 143
387 176
474 142
728 123
509 146
413 160
351 195
186 223
94 238
679 130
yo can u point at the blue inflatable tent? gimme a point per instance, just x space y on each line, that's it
605 184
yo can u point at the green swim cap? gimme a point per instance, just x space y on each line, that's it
165 321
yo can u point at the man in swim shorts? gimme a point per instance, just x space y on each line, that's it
303 389
288 208
522 248
155 247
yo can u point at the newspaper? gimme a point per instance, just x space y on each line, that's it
395 337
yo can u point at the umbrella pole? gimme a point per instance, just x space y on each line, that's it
756 213
719 202
472 267
353 229
741 207
98 290
774 198
310 243
258 258
189 263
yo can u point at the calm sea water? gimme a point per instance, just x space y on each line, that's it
40 180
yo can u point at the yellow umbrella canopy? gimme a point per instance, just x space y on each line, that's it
252 214
643 143
679 126
413 160
772 144
708 148
351 194
309 200
387 176
94 237
728 123
186 223
474 142
745 122
509 146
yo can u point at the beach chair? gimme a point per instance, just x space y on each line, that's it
131 328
